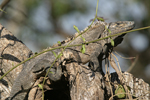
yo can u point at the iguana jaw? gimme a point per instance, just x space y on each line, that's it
118 27
121 26
115 28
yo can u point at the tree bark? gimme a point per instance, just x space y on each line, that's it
78 82
12 52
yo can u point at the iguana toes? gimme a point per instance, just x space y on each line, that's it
38 66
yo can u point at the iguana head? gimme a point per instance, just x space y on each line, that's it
118 27
115 28
101 29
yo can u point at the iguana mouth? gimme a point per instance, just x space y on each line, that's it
115 28
119 27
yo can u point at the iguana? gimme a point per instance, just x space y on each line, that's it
39 65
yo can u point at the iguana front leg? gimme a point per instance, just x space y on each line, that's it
55 72
27 78
94 62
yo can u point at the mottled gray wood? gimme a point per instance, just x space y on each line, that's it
12 51
83 82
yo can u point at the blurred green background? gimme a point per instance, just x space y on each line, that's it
41 23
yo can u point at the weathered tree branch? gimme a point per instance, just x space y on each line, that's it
4 3
78 82
12 52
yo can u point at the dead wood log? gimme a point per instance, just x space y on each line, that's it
12 52
77 83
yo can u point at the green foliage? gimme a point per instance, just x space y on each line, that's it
112 41
59 42
82 38
83 49
109 31
120 92
32 4
40 86
50 72
76 28
60 7
57 10
54 53
3 11
101 19
36 53
59 55
83 46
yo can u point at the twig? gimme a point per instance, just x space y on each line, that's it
107 78
4 3
121 76
117 61
124 57
133 64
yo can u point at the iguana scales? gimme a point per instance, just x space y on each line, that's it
39 65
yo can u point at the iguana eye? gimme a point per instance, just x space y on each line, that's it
112 25
116 25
